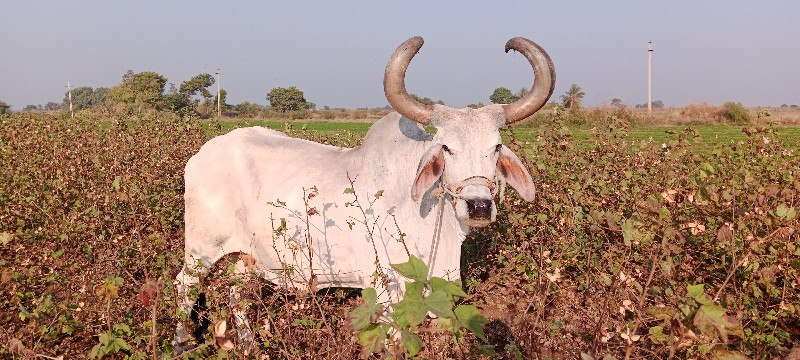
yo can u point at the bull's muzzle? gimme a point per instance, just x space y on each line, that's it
479 209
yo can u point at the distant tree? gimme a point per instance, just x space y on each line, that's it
141 89
248 108
85 97
426 100
224 95
310 105
520 93
326 107
286 99
32 108
502 95
51 106
784 105
735 113
476 106
178 103
617 103
4 108
793 105
574 97
658 104
198 83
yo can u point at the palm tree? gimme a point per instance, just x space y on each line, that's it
573 97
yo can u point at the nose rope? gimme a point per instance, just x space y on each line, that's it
498 185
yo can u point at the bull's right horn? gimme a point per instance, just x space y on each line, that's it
394 84
543 84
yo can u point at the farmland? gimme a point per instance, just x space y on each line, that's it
630 249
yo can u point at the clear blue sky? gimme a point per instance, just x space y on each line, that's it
336 51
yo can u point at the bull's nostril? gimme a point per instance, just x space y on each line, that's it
479 209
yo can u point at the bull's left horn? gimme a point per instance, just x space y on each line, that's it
543 84
394 84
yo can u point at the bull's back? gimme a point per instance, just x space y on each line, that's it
233 178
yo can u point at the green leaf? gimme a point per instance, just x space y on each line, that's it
698 293
349 191
414 269
786 212
710 319
366 313
411 342
471 319
452 288
371 338
370 296
440 303
379 194
409 312
657 335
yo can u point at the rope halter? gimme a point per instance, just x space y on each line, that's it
496 185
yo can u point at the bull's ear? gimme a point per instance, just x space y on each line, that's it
429 170
515 173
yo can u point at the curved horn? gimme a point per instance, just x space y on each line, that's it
394 84
543 84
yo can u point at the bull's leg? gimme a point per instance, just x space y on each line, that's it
244 332
188 277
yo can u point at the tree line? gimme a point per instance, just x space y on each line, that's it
192 97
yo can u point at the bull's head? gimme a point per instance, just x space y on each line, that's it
467 153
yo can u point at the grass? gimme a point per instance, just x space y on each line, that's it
712 134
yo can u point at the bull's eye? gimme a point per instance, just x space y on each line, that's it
498 147
447 149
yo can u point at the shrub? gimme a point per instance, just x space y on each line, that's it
328 115
735 113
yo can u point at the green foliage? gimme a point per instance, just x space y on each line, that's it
85 97
248 108
4 107
426 100
476 106
735 113
710 242
421 296
286 99
574 97
198 83
502 95
112 342
224 95
144 89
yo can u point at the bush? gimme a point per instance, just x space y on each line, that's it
328 115
735 113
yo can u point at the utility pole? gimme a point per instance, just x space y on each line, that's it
219 98
69 96
650 76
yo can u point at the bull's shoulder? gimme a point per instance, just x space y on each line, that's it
396 129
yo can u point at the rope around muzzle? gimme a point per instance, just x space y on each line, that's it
498 185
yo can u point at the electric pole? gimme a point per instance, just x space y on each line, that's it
650 76
219 98
69 96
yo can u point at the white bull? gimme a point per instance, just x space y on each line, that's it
247 192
